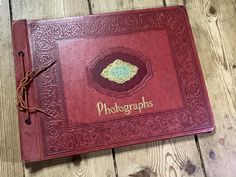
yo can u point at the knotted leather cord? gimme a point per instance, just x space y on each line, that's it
22 89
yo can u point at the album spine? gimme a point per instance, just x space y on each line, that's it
30 136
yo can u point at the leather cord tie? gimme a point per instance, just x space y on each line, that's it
22 91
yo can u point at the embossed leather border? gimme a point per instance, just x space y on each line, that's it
58 139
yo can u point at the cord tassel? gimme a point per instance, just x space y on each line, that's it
22 91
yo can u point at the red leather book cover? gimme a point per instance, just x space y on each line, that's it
118 79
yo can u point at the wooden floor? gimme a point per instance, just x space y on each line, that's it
213 155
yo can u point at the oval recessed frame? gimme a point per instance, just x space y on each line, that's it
108 87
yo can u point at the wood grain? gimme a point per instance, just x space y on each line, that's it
137 4
91 164
98 6
175 157
10 163
28 9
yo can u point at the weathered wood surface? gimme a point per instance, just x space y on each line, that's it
10 163
214 155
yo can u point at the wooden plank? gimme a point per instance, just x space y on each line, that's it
10 161
175 157
175 2
27 9
109 6
214 28
121 5
147 4
87 165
